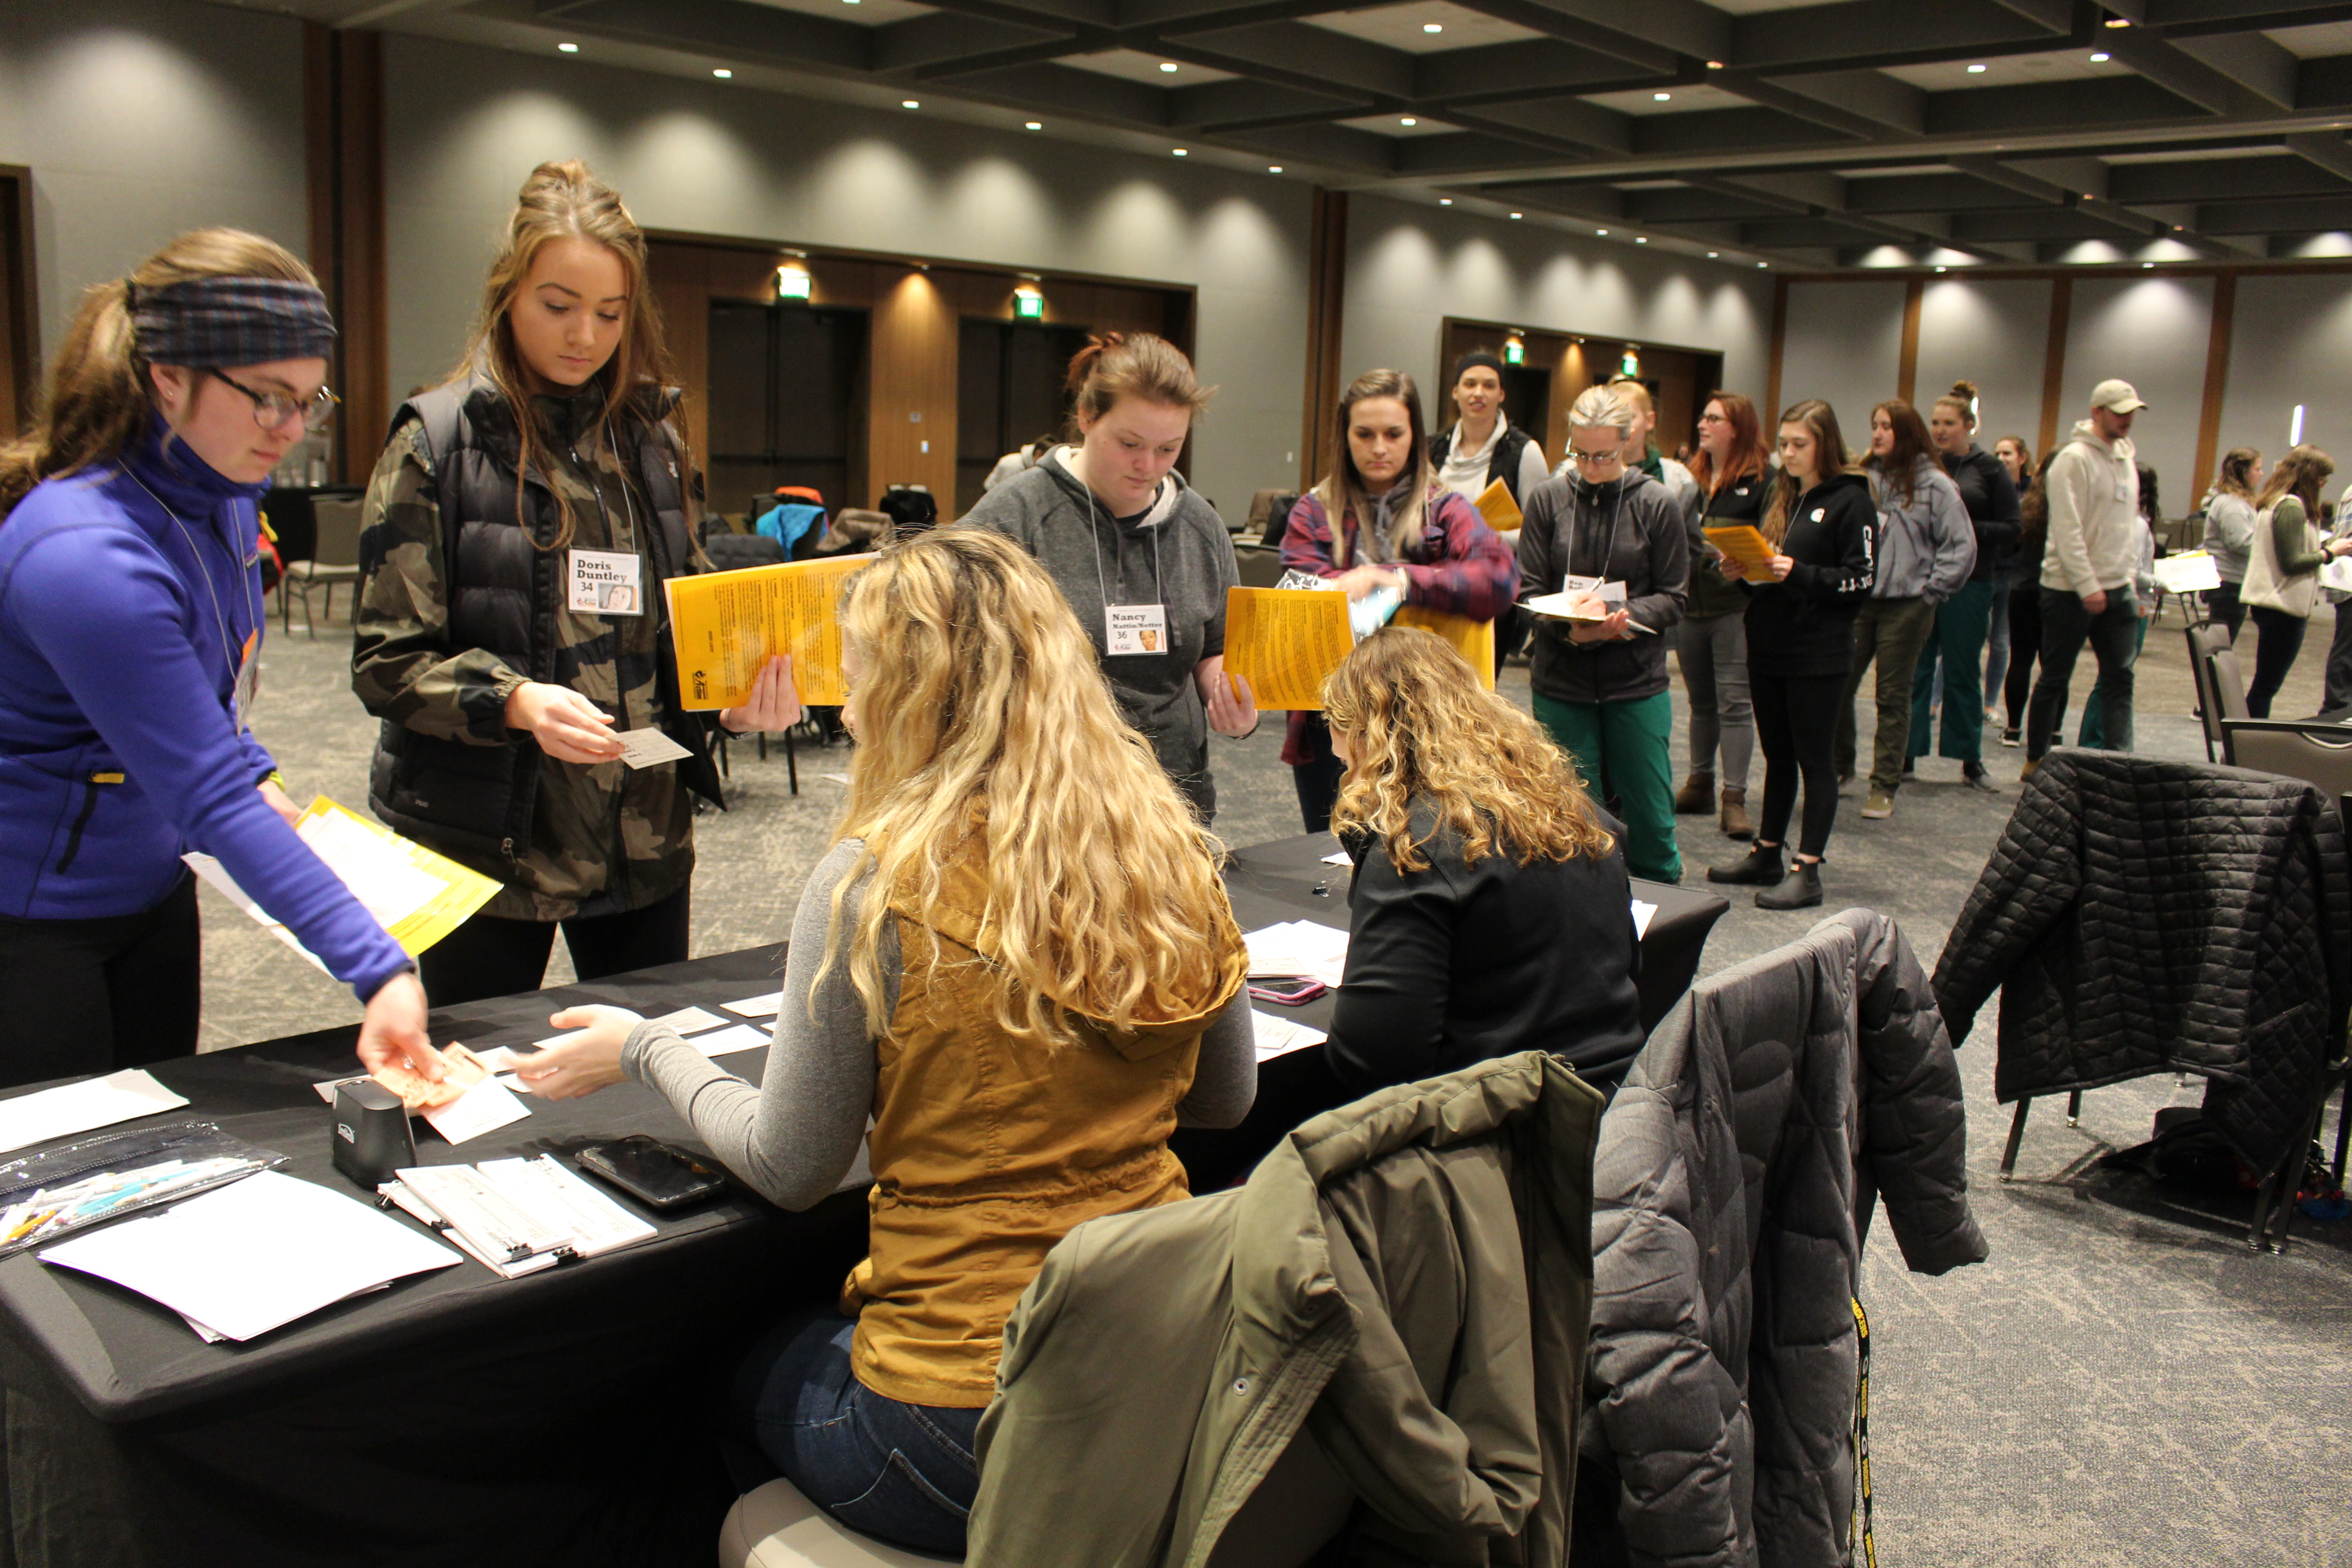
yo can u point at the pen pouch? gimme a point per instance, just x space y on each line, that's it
125 1155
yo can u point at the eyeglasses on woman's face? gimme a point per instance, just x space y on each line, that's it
271 410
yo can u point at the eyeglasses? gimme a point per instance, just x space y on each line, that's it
271 410
1584 458
1713 419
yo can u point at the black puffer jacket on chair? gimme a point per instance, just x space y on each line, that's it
2142 916
1731 1193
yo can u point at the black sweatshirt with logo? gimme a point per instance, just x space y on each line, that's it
1804 625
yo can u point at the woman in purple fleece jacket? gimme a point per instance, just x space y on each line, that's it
1397 527
131 622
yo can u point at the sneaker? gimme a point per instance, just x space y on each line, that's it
1973 774
1879 806
2013 737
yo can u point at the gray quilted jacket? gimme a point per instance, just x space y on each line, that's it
1738 1169
2142 916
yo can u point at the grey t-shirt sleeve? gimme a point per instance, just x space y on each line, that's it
1225 1079
795 1135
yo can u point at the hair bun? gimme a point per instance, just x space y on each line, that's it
1082 364
1965 389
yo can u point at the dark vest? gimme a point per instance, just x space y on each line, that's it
505 588
1502 463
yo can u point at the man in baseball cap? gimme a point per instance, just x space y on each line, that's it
2089 569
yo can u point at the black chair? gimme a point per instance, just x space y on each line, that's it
2205 640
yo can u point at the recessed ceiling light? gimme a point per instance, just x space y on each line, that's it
1940 270
2100 57
1763 263
568 48
1713 254
1408 119
2146 266
1518 214
1169 66
1715 65
1446 201
1976 70
1641 239
1661 97
1600 231
1183 152
1035 125
911 103
2119 21
1273 168
721 72
1433 27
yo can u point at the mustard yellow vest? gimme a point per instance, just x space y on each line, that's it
988 1150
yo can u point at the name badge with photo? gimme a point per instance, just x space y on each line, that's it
604 583
1134 628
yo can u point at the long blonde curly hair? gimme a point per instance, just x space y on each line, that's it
1421 728
980 711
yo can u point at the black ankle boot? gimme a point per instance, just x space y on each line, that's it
1800 889
1759 867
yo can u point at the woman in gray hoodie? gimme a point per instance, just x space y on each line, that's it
1925 550
2230 534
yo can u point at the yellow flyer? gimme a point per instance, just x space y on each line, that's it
727 624
1284 641
418 897
1496 505
1474 640
1742 544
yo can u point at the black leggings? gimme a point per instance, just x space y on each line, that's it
492 956
96 996
2274 654
1796 719
2024 648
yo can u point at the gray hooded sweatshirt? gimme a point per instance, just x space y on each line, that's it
1176 554
1927 545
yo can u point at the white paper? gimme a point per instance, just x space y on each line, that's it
374 867
756 1007
687 1020
1279 1036
726 1042
2187 571
648 748
1337 857
1298 947
485 1107
254 1255
2335 572
79 1107
1642 913
561 1201
216 877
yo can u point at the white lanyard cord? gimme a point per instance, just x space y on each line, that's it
220 620
1094 534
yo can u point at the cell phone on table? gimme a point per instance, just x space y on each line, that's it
1287 990
651 1171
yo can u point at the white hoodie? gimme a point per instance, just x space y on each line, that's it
2093 490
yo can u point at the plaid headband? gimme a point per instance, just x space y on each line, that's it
231 321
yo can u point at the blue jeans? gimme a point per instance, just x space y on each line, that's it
895 1471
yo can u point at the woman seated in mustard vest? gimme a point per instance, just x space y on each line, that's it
1019 961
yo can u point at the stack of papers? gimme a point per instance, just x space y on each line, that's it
1279 1036
1298 947
517 1217
79 1107
254 1255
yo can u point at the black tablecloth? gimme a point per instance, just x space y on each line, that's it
458 1417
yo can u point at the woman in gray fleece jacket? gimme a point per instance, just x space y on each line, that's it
1927 548
1143 560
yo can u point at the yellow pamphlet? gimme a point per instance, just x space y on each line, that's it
1742 544
418 897
1284 641
727 625
1496 505
1474 640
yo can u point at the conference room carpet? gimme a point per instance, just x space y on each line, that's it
2124 1381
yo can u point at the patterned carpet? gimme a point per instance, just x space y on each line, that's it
2124 1382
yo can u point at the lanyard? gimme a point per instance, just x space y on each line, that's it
1094 532
220 620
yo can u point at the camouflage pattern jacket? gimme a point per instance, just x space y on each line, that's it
463 600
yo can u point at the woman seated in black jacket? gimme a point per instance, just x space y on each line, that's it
1492 909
